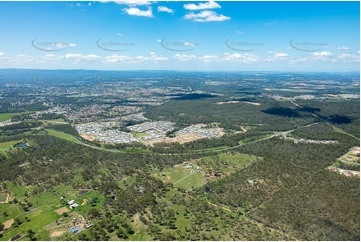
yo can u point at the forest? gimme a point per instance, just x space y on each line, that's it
266 178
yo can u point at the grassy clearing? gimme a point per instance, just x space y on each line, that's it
186 178
43 209
54 121
6 146
7 116
62 135
227 162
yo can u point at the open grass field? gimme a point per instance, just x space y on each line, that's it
225 164
187 176
46 208
54 121
6 146
7 116
179 176
62 135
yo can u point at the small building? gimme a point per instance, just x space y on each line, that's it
88 225
71 202
74 205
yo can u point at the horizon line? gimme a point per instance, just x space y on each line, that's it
152 70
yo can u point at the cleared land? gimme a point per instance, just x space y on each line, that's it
62 210
62 135
194 174
45 210
3 198
352 156
182 177
7 116
6 146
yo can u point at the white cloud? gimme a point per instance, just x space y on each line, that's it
349 57
210 58
160 58
81 57
138 12
228 57
244 58
165 9
343 48
280 54
276 56
322 53
20 59
51 58
137 59
201 6
156 58
184 57
116 58
206 16
141 58
1 53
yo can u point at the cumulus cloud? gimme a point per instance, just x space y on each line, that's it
138 12
276 56
184 57
206 16
20 59
165 9
244 58
157 58
1 53
343 48
51 58
322 53
349 57
231 57
280 54
201 6
81 57
116 58
210 58
137 59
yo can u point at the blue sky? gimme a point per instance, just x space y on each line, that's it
220 36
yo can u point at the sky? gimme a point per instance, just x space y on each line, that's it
184 36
